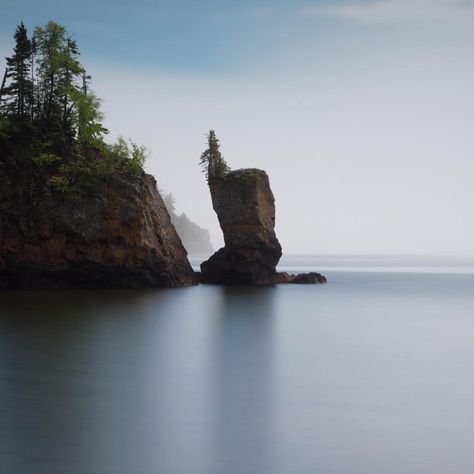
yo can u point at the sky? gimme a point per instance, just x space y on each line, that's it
361 112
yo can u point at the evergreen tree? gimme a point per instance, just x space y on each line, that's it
65 105
2 85
18 94
212 161
70 70
50 43
34 49
50 115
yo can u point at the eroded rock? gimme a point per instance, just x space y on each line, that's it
245 207
121 237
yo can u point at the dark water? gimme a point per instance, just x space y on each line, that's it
372 373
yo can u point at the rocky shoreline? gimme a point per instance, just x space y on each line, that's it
122 236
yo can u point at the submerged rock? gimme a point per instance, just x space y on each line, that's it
121 236
245 207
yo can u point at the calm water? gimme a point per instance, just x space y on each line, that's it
371 373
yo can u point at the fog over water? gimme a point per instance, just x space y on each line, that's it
367 164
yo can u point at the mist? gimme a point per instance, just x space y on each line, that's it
378 161
360 112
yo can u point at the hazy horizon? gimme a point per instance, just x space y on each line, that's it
360 111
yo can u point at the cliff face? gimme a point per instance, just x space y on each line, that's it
120 237
245 207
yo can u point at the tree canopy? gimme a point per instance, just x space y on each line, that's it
48 109
212 161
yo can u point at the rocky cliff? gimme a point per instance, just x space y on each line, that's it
121 236
245 207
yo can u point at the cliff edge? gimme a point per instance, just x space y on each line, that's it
120 235
245 206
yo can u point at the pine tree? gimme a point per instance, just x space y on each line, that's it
212 161
71 70
2 85
18 93
65 105
50 42
34 49
47 106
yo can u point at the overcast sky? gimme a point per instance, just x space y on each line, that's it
361 112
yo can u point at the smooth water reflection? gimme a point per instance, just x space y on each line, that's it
370 373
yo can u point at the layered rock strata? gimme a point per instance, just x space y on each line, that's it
245 206
120 237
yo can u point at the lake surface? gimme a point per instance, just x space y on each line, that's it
371 373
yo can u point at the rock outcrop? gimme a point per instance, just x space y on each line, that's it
301 278
245 207
120 237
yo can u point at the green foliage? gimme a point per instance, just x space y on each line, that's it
50 115
45 159
17 95
53 62
138 157
212 161
129 158
82 176
4 128
46 85
88 118
119 150
60 183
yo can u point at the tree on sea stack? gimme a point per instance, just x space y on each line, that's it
212 161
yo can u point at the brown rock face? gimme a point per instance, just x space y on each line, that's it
121 237
245 207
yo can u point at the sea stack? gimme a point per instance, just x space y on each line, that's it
245 206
